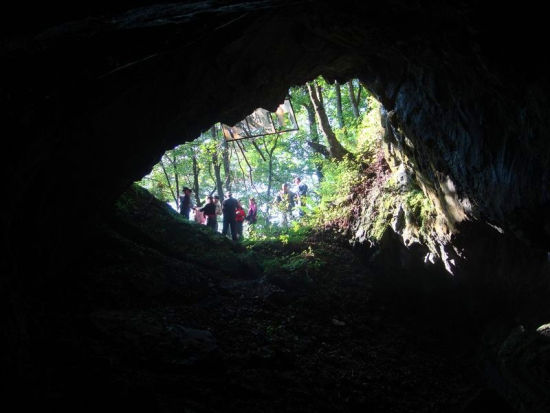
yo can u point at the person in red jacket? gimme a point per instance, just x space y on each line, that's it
239 218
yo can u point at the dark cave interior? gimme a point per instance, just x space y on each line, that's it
82 85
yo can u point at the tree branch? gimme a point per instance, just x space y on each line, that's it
168 182
258 149
319 148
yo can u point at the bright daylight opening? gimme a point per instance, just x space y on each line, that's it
294 169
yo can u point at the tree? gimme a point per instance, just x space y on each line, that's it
335 149
340 115
226 165
301 99
216 163
270 152
196 171
354 99
168 181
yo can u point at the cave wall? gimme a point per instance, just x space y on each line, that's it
91 98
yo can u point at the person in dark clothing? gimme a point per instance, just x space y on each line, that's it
229 207
300 189
209 210
185 202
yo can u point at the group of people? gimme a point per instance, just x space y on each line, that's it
234 216
232 210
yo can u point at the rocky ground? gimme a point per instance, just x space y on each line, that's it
171 318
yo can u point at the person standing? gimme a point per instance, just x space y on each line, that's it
229 208
239 219
186 204
300 190
209 211
252 211
285 204
218 209
200 217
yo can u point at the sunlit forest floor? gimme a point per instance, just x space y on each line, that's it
172 318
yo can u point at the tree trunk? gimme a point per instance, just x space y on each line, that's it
226 166
319 148
270 175
218 175
336 150
339 113
354 101
196 171
313 132
174 196
314 136
362 86
217 167
176 175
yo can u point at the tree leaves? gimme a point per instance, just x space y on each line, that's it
257 168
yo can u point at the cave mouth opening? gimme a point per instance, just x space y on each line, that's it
317 144
308 320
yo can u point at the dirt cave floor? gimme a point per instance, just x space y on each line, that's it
305 339
268 327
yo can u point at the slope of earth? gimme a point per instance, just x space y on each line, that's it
170 317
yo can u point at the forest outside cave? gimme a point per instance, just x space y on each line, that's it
341 139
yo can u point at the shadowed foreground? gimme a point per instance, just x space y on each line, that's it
168 324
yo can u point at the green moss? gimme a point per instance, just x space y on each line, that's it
420 210
383 205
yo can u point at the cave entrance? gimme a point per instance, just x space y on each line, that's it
298 176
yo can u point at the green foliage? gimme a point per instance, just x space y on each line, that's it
306 261
302 261
341 179
383 208
368 129
362 184
335 189
258 169
295 234
420 210
357 195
